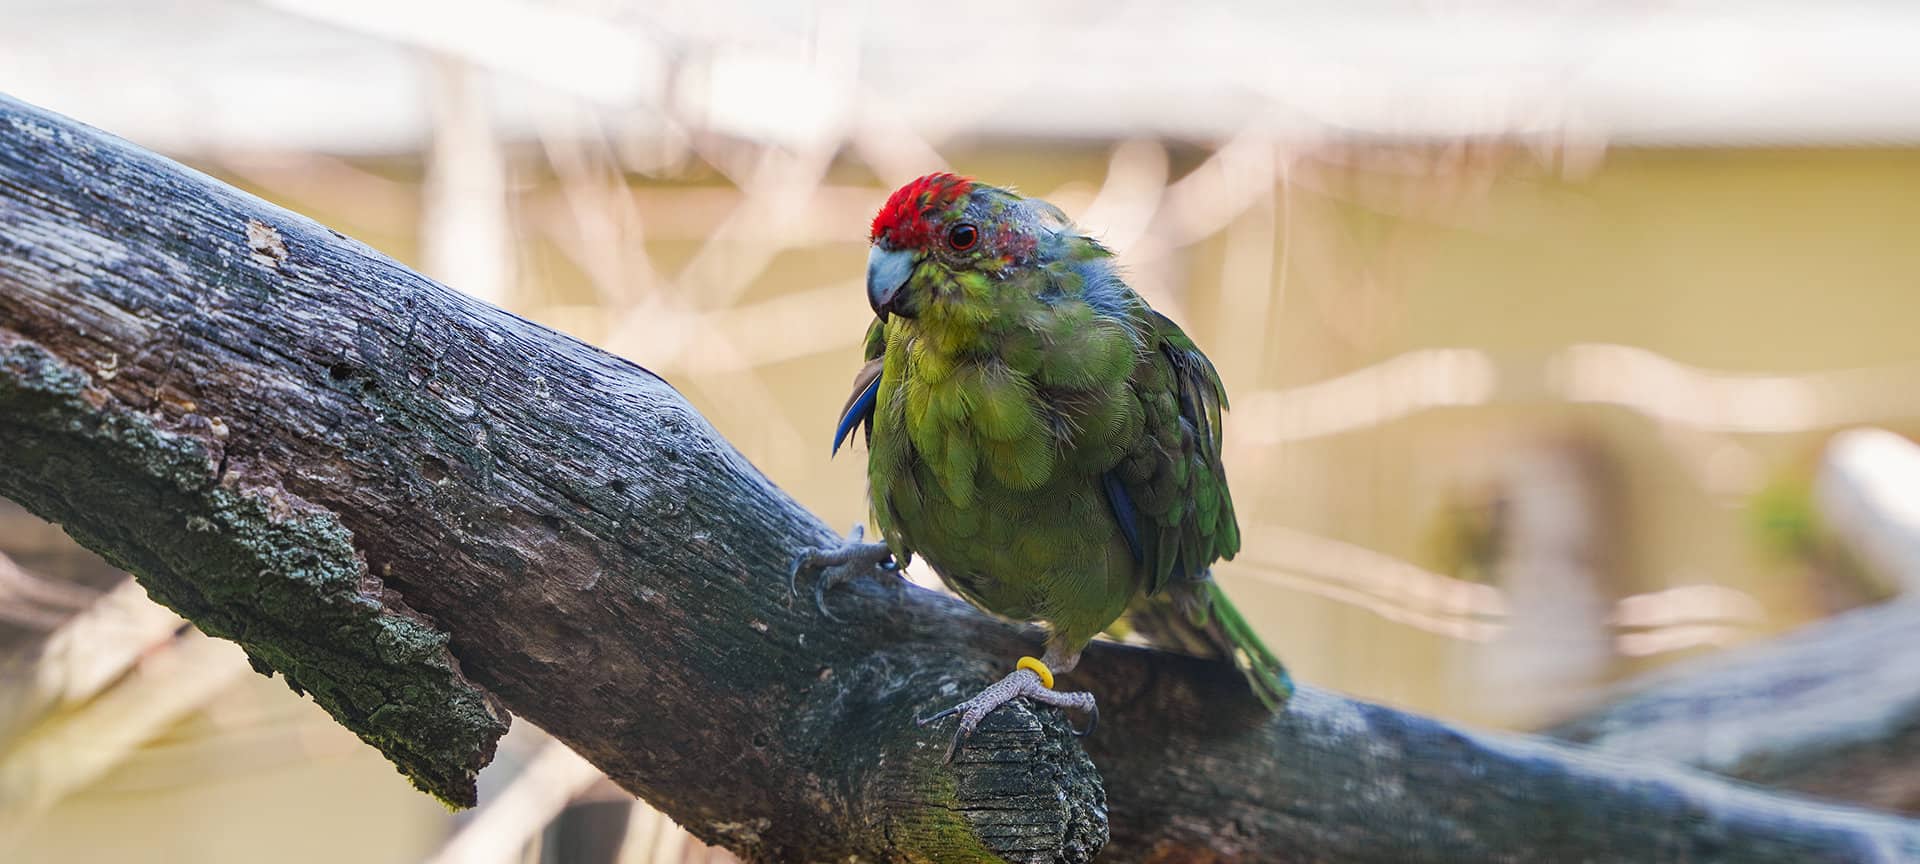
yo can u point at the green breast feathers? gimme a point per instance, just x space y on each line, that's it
1073 424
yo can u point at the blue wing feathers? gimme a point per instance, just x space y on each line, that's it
860 411
1123 513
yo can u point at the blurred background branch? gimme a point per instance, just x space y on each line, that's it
1832 709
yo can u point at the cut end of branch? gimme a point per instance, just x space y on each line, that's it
1019 789
1028 791
250 563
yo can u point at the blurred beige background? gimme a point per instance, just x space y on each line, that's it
1535 320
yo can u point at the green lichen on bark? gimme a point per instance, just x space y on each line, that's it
1018 793
243 562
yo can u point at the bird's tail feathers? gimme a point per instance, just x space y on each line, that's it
1197 618
1265 673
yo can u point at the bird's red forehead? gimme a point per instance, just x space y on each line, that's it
903 219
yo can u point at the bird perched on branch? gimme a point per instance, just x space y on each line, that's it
1042 437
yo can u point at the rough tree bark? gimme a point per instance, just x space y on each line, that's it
423 510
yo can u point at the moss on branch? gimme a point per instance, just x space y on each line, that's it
252 564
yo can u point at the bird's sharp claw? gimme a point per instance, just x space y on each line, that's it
800 562
939 715
820 600
838 565
1093 721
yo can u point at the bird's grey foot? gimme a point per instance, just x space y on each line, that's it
839 565
1031 679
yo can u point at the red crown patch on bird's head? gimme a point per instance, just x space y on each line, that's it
903 219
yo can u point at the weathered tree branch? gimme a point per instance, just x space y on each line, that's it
1832 709
360 476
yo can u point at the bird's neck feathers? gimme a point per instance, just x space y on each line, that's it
966 309
975 314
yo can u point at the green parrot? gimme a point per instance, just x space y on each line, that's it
1042 437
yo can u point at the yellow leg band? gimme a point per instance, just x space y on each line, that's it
1033 664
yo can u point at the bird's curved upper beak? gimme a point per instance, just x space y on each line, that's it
887 272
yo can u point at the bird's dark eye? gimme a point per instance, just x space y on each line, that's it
962 236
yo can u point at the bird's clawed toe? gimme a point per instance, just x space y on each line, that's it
1021 682
839 565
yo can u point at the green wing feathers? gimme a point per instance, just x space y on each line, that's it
1173 476
1176 484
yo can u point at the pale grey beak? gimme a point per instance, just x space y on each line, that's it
887 272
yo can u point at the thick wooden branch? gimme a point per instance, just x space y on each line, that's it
1831 710
413 504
